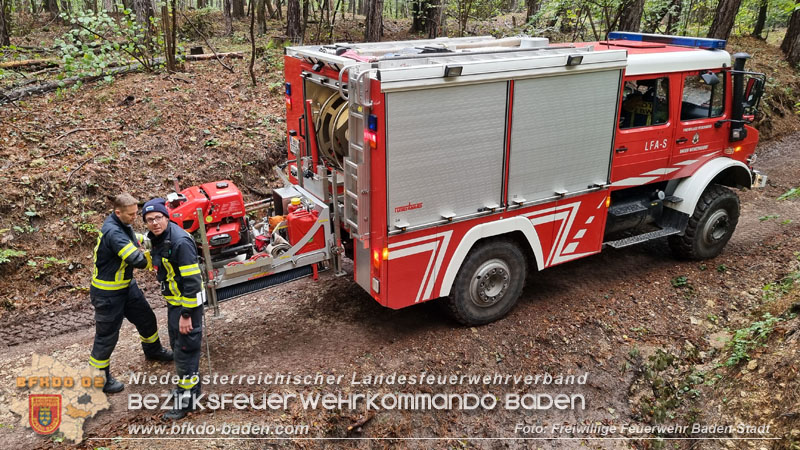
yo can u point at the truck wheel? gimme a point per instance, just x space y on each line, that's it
710 227
488 284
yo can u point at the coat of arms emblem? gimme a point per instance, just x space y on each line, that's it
44 412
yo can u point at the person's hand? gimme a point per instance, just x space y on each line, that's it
185 325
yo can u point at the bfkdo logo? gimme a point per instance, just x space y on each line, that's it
44 412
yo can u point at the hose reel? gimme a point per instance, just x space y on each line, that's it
331 127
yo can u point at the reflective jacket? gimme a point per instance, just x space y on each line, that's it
115 256
175 260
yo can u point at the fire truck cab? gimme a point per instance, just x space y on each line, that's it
454 167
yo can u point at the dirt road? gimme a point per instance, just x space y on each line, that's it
585 317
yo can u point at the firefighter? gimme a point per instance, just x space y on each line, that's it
175 260
115 294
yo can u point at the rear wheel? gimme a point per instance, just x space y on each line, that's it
710 227
488 284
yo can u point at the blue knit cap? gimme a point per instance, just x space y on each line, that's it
155 205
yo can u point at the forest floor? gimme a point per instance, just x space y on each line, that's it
655 335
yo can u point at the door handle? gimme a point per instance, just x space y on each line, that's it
681 141
621 149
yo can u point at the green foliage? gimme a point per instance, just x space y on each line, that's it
680 281
98 42
669 385
790 194
746 339
7 253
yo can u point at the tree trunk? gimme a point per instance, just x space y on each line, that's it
631 18
293 22
762 19
261 14
278 9
306 7
52 7
238 9
417 16
532 8
144 12
226 12
674 16
5 23
373 21
425 17
724 18
791 42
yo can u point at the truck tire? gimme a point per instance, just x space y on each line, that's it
710 227
488 284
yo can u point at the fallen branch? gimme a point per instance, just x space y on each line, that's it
16 94
28 63
358 424
63 286
82 129
206 56
78 168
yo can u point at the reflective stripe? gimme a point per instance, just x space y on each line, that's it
183 301
96 247
149 340
171 283
110 285
98 363
174 301
127 250
120 274
191 269
188 382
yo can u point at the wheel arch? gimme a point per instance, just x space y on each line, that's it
724 171
519 229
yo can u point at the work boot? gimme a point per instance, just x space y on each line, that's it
182 406
161 354
112 386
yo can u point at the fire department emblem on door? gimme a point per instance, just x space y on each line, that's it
696 138
44 412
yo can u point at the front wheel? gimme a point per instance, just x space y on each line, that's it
488 284
710 227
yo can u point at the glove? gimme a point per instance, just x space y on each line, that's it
144 242
149 260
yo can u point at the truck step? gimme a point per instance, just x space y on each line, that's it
258 284
673 199
624 209
621 243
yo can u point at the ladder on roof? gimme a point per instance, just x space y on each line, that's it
356 163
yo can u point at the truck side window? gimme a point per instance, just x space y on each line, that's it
702 100
645 103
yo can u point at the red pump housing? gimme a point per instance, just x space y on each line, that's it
223 211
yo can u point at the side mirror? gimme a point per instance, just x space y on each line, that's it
710 78
753 92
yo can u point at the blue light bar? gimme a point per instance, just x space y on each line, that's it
715 44
372 122
289 89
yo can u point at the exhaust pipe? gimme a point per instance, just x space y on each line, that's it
738 131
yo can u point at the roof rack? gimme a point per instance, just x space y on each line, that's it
683 41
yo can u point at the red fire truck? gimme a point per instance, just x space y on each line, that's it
452 168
